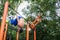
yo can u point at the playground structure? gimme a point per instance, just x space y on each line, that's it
4 26
33 27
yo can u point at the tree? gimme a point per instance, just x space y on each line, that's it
49 28
13 5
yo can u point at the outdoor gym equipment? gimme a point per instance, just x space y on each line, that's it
31 25
2 33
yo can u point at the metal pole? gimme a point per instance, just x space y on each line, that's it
35 34
3 20
27 32
5 31
17 34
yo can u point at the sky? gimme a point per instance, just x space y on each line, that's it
58 8
22 5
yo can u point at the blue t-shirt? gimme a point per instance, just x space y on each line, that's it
13 21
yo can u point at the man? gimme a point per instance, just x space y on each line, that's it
17 21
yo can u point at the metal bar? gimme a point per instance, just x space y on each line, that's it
3 20
35 34
17 34
27 32
5 31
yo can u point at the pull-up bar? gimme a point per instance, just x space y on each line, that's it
4 21
31 25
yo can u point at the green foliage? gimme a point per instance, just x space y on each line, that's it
47 29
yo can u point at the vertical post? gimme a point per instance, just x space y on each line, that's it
3 20
27 32
0 27
17 34
5 32
35 34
